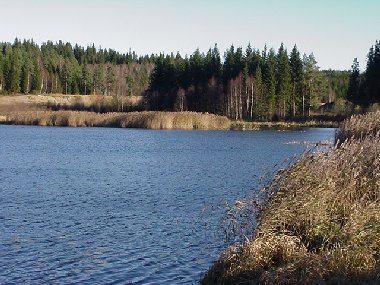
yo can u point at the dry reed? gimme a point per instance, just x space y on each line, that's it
320 223
146 120
359 126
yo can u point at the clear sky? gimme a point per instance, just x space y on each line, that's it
335 30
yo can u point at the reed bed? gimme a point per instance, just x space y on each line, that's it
146 120
359 126
318 221
256 126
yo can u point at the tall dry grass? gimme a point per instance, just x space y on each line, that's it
320 221
359 126
146 120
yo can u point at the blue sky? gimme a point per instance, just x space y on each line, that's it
336 30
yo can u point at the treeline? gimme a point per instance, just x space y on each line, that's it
246 85
364 88
243 84
59 67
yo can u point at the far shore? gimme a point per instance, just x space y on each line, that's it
149 120
126 112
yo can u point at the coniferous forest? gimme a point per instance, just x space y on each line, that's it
247 85
61 68
364 89
242 84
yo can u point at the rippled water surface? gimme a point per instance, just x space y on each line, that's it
122 206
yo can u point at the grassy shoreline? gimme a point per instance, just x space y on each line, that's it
319 222
148 120
144 120
111 111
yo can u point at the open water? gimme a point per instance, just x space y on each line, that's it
125 206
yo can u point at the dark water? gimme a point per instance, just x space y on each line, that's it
122 206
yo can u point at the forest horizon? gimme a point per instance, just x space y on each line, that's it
245 84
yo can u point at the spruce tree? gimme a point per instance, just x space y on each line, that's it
98 80
15 72
36 78
67 75
372 74
216 62
85 79
353 85
269 79
296 69
260 106
284 87
25 77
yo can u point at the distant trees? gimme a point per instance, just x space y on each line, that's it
364 89
60 68
243 84
247 85
297 80
354 83
371 88
337 84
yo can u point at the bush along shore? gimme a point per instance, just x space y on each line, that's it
318 221
147 120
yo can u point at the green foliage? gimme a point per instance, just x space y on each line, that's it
364 89
338 82
249 85
110 80
85 79
316 86
36 79
354 83
372 75
59 67
98 80
26 72
296 66
284 87
246 85
270 82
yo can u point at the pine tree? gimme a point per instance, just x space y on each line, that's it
312 82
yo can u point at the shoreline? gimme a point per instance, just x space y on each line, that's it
317 221
150 120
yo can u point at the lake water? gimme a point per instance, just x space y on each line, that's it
124 206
